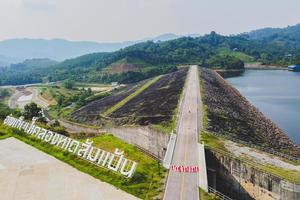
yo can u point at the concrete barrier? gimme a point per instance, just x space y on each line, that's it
170 150
148 139
202 165
289 190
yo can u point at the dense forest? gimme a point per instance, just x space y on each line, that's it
147 59
27 72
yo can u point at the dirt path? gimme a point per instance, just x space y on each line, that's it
12 102
25 96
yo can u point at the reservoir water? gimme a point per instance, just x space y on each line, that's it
276 93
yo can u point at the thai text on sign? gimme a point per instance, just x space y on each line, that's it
112 161
188 169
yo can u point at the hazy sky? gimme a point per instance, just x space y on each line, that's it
121 20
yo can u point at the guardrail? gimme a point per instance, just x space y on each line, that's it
218 194
268 150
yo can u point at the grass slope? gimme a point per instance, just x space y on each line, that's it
207 196
240 55
147 182
131 96
157 105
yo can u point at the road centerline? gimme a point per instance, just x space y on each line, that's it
183 183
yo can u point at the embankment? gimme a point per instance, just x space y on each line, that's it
231 114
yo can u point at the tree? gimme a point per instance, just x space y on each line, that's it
224 62
32 110
89 91
4 111
4 93
60 100
42 120
69 84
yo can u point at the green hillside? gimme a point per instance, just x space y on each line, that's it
287 34
26 72
239 55
149 59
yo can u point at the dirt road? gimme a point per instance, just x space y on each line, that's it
184 185
25 96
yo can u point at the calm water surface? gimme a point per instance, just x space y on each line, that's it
276 93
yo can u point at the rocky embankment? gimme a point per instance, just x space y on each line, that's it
231 114
258 66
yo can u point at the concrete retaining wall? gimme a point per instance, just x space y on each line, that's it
241 181
147 139
150 140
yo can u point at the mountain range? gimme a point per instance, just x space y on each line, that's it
161 55
16 50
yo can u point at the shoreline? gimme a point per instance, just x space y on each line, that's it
232 114
261 67
249 66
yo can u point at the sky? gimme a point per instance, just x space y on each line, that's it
127 20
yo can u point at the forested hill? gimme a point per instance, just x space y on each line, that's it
148 59
276 34
151 58
26 72
287 40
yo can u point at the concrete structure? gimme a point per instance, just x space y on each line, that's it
29 174
147 139
170 150
185 185
203 184
240 180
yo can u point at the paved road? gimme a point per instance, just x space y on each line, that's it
184 186
29 174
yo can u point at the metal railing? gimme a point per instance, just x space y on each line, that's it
218 194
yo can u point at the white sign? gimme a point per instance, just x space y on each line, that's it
113 161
